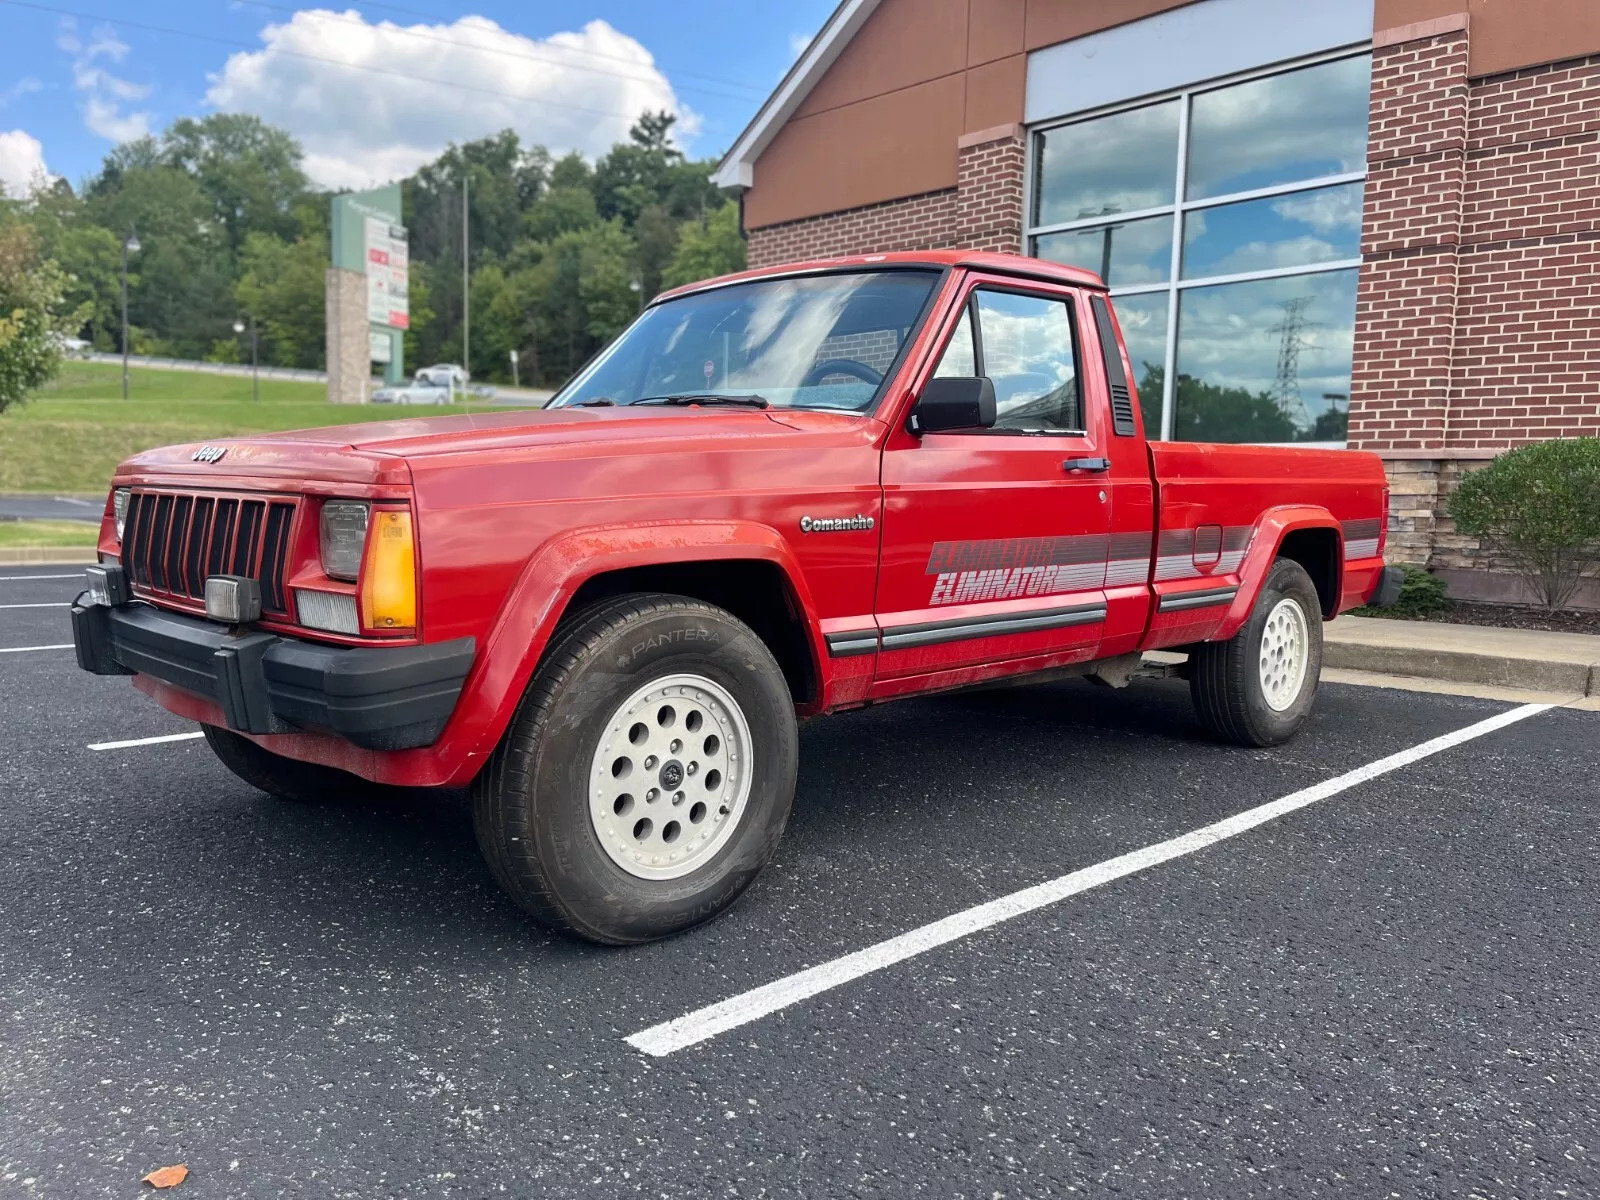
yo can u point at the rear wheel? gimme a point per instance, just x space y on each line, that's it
647 775
279 776
1257 688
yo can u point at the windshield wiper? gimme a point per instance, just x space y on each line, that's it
686 399
597 402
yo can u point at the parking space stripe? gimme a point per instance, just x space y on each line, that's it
51 604
25 649
149 741
708 1022
19 578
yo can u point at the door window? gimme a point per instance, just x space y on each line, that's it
1026 348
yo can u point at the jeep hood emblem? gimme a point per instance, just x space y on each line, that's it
210 454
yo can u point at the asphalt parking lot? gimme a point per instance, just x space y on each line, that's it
1391 991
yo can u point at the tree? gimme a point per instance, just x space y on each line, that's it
282 285
1210 412
635 172
714 247
248 171
33 315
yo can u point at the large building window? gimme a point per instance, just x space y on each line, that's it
1227 221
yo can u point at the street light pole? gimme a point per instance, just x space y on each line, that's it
255 368
130 244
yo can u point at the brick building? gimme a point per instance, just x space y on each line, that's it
1362 222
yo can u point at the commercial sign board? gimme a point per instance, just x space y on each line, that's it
387 279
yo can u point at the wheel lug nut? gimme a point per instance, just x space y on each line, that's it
650 762
676 745
692 767
649 797
678 799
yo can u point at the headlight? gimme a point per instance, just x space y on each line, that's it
344 536
119 508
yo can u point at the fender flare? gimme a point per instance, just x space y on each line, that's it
1271 528
555 571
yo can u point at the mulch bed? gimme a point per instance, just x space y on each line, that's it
1508 616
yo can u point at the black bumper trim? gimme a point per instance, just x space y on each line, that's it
1210 598
906 637
852 642
379 698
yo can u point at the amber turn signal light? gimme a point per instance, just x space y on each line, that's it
389 580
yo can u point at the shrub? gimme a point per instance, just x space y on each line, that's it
1421 596
1538 506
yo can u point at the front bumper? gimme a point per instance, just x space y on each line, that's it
378 698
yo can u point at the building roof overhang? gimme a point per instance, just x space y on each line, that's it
738 166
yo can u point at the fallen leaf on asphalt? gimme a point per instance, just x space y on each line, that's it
167 1177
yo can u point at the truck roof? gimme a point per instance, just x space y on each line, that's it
977 260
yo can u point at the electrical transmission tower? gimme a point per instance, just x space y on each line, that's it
1291 340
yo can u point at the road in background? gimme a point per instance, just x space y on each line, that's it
1393 991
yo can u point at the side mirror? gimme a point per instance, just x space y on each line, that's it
964 402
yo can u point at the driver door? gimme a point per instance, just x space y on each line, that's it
994 544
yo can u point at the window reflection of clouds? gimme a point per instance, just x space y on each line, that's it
1028 355
1141 251
1298 125
1258 235
1229 336
1121 163
785 327
1144 332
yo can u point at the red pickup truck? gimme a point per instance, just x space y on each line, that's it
778 494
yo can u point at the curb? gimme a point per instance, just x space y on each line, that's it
1466 666
47 556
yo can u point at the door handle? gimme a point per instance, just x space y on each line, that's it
1086 464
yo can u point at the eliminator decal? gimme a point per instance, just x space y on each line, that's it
969 572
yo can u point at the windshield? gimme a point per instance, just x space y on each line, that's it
821 341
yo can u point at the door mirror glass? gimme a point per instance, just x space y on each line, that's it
954 402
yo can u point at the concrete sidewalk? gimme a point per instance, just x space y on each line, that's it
1567 663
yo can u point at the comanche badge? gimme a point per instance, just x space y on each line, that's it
210 454
835 524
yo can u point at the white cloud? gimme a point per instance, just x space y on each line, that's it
371 102
21 163
1326 210
797 44
20 88
104 93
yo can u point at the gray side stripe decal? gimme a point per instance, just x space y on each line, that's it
906 636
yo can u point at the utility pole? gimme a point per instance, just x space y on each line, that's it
1291 340
466 283
130 245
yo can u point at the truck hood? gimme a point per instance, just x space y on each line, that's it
376 452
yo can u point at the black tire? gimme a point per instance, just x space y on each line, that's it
305 783
1225 677
531 804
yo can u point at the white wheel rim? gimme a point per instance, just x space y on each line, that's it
670 778
1285 654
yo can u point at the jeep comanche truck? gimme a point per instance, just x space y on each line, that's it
778 494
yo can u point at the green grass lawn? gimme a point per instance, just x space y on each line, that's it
71 434
47 533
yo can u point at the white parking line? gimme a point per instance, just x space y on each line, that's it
15 578
25 649
150 741
707 1022
51 604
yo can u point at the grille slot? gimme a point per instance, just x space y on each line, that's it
174 540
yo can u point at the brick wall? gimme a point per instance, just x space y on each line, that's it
982 212
1478 311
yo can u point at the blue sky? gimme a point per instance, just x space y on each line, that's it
371 90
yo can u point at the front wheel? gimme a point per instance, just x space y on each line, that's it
1257 688
647 775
